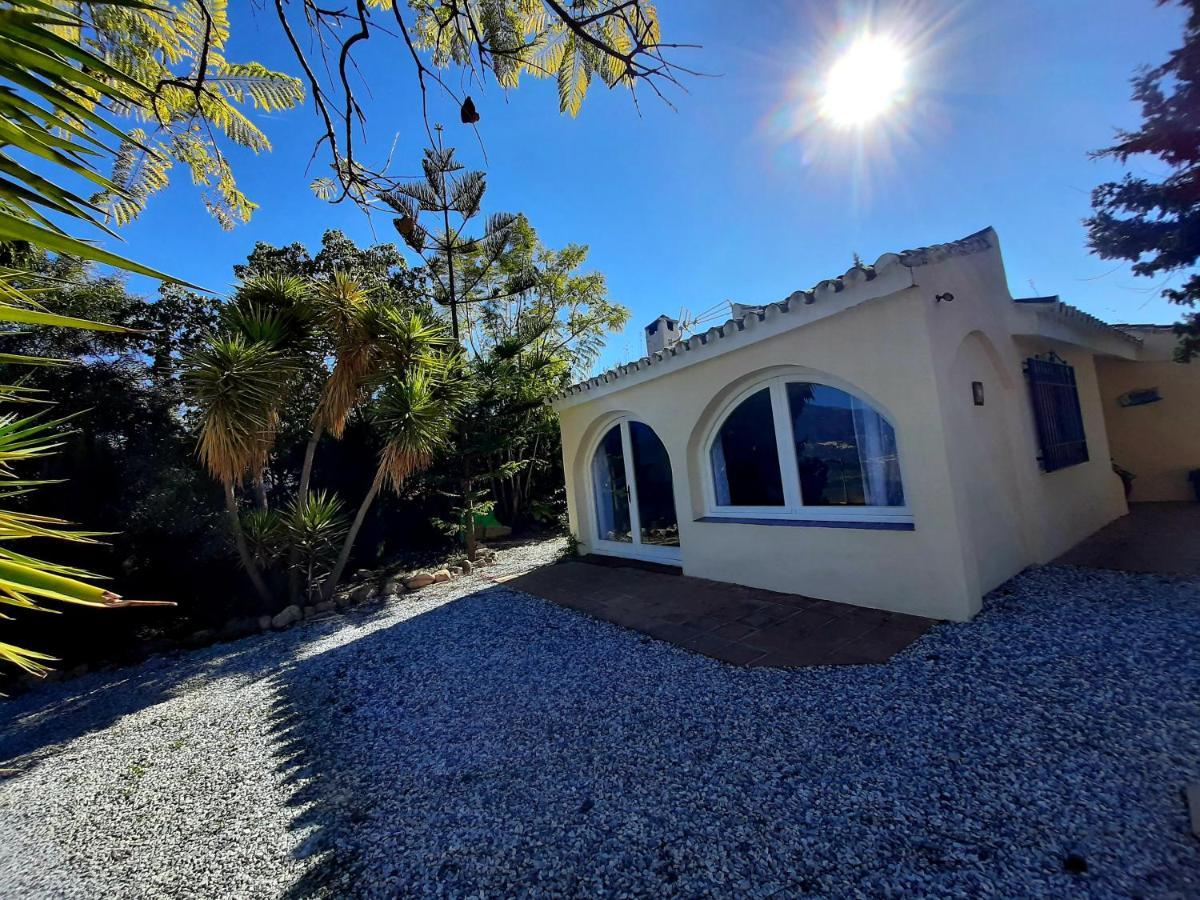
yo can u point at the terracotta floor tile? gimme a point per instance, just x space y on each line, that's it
737 624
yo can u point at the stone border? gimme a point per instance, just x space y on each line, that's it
373 586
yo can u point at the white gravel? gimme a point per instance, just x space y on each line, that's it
472 741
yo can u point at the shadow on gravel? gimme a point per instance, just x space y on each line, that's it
332 715
32 725
497 744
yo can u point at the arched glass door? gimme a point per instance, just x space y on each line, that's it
634 495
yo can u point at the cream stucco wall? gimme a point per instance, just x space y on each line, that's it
982 508
1158 442
913 571
1015 513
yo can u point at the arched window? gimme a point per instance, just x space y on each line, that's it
789 448
633 493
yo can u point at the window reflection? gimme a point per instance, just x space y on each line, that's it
655 489
745 458
845 451
611 490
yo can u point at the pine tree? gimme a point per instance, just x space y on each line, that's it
457 264
1155 223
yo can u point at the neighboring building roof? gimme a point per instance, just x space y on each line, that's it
1076 316
921 256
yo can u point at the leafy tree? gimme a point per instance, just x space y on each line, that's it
1155 223
617 41
544 328
195 97
165 66
379 269
457 266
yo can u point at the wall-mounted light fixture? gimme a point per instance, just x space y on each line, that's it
977 392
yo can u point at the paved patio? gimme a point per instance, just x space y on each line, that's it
1154 537
739 625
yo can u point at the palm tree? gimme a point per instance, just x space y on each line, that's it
414 410
238 384
346 311
274 326
277 311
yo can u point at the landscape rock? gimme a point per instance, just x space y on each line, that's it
418 581
362 593
264 623
289 615
325 606
441 575
466 566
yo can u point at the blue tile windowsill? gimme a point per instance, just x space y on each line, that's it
812 523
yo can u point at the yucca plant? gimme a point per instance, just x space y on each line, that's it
406 371
315 527
266 535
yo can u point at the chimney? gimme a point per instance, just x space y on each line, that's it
662 333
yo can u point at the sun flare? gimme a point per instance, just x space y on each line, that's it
867 80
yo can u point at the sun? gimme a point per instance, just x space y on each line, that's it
868 79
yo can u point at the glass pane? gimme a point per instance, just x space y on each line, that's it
655 489
745 458
611 491
845 451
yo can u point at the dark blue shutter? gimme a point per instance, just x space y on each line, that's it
1057 414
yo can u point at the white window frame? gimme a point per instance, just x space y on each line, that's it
793 508
635 549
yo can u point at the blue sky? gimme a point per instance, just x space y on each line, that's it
737 193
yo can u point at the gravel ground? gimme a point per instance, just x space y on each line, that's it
472 740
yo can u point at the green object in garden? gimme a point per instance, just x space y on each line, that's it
486 520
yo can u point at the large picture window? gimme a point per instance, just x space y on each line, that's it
800 449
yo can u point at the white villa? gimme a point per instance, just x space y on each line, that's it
906 436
